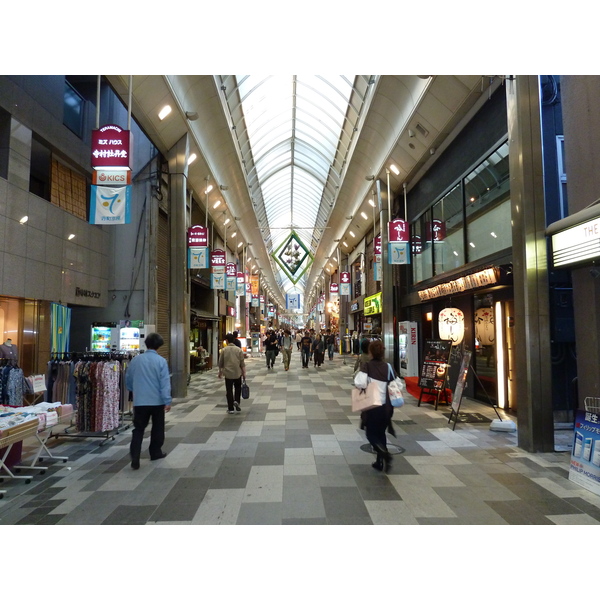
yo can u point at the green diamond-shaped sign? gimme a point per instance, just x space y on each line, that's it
293 257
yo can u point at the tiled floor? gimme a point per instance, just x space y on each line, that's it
295 455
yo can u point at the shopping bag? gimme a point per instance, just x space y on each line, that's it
395 388
245 390
366 398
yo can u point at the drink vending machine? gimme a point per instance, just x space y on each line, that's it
408 342
105 337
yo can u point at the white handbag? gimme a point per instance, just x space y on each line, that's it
396 388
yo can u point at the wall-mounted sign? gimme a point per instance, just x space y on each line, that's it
462 284
354 307
372 304
111 147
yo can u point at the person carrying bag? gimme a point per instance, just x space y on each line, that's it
376 419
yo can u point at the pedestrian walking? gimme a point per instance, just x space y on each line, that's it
306 345
286 349
233 367
271 348
318 350
148 378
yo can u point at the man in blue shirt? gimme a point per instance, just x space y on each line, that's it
148 378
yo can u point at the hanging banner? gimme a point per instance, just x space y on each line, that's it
217 281
398 231
292 301
197 257
197 235
377 269
398 253
255 301
110 205
241 284
254 283
345 283
334 289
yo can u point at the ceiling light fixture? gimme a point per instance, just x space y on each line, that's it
24 219
208 189
71 236
372 202
395 169
191 115
352 233
192 158
166 110
227 221
216 204
364 215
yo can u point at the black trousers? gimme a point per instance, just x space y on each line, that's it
233 389
141 418
376 423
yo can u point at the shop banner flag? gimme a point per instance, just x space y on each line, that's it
231 283
110 205
344 289
292 301
198 257
398 253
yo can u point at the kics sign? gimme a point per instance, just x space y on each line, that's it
111 147
111 177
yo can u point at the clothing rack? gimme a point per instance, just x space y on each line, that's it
76 429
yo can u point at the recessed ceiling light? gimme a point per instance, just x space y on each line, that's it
352 233
192 158
71 236
395 169
345 244
24 219
364 215
164 112
227 221
216 204
234 234
371 202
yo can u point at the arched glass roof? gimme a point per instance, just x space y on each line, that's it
294 136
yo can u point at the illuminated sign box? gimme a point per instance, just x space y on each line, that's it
372 304
577 244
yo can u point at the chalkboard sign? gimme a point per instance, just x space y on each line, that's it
435 364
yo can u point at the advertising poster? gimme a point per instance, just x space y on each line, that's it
435 364
585 456
198 257
110 205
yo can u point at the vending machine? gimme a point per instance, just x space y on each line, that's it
408 342
104 337
129 338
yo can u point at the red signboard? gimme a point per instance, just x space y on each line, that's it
334 288
197 236
398 230
345 277
111 147
377 245
231 270
217 258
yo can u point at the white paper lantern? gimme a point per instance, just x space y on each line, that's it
484 326
451 325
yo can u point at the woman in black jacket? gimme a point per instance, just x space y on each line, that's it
378 420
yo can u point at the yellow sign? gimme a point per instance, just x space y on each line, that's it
372 304
254 284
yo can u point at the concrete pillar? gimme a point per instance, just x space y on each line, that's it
530 267
179 293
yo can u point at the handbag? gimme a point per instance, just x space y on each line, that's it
245 389
366 398
395 388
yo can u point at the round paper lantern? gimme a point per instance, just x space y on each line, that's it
485 331
451 325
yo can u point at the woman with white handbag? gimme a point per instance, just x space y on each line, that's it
378 419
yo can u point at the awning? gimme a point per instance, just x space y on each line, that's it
203 314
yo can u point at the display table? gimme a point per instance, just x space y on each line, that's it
19 423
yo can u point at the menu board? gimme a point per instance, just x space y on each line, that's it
435 364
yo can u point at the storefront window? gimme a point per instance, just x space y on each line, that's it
9 320
487 193
447 232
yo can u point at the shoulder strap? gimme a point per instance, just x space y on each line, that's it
391 373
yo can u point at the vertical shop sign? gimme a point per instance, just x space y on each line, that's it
110 205
377 258
345 283
217 265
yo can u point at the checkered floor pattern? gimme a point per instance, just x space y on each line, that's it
295 455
